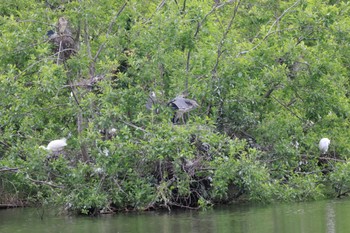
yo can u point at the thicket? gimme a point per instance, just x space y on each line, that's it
271 79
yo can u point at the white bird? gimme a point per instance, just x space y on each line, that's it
112 131
56 145
324 144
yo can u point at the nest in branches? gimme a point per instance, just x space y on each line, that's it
62 40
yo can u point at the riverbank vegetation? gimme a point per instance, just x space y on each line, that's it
271 79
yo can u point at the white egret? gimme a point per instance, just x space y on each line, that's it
324 144
112 131
56 145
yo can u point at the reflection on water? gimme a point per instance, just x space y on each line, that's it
330 218
323 216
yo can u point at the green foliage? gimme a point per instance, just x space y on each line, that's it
271 79
340 178
241 172
301 187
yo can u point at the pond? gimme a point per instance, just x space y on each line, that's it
322 216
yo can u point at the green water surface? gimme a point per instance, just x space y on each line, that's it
312 217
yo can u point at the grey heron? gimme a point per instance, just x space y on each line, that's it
182 105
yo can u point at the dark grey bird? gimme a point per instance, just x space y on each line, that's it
51 34
152 100
181 106
62 39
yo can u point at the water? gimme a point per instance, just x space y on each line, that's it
324 216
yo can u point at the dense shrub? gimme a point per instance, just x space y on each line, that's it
270 78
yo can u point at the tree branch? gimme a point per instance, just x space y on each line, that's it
45 183
8 169
157 9
269 32
222 41
199 25
109 31
288 109
134 126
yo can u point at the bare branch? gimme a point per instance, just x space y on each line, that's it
72 87
45 183
333 159
222 41
134 126
86 38
41 60
269 32
269 92
109 31
35 21
7 169
183 6
157 9
88 47
199 25
288 109
59 52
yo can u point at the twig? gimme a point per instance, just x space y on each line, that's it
183 206
6 206
134 126
199 25
34 21
183 6
269 92
279 18
269 32
88 48
311 172
222 41
72 87
334 159
45 183
41 60
286 107
59 51
7 169
109 31
157 9
5 144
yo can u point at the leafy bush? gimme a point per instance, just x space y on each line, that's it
270 78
